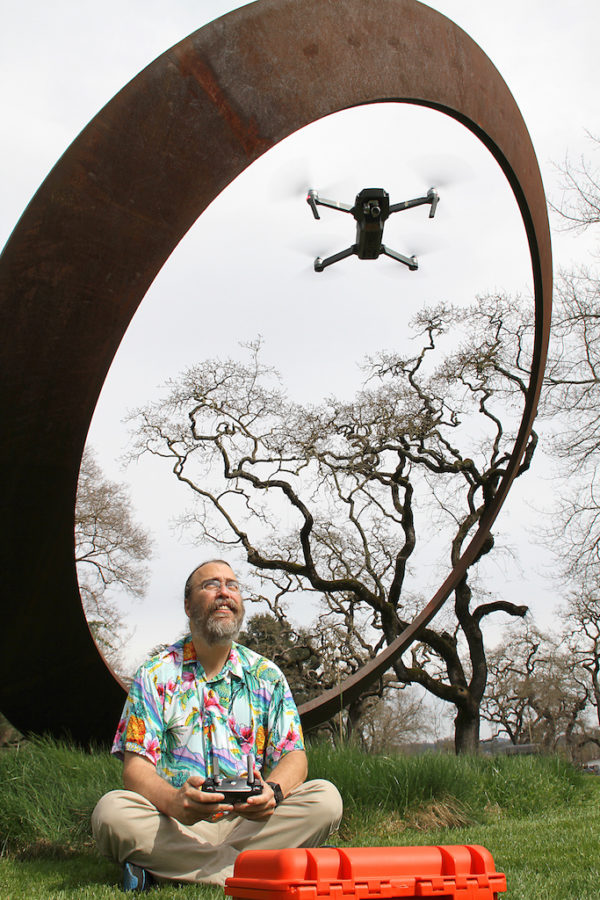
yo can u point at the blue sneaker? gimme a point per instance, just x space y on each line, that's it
135 878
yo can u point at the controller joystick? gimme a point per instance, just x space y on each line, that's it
236 789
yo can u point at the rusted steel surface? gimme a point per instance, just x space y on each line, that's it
108 216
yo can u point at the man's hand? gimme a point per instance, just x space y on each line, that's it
190 804
187 804
259 806
289 772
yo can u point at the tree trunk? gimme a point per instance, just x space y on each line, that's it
595 673
353 717
466 731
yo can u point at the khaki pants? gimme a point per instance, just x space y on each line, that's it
126 826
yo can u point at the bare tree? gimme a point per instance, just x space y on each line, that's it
572 394
511 668
581 618
579 206
537 692
399 719
111 550
329 499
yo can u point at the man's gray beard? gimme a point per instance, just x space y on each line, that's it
216 632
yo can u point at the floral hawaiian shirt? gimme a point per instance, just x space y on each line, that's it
177 718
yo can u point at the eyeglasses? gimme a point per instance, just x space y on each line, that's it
215 584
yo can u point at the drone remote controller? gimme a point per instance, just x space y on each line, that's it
236 789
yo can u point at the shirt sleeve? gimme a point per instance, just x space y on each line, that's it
285 730
141 726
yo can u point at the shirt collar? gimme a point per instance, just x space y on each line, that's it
233 663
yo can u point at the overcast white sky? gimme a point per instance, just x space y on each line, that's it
61 62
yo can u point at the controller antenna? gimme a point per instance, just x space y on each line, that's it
214 764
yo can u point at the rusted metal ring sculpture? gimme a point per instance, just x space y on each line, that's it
103 223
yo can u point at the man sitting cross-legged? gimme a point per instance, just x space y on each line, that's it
207 695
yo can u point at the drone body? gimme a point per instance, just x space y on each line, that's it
371 209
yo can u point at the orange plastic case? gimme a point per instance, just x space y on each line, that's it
366 873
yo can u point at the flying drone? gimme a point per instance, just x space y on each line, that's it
371 209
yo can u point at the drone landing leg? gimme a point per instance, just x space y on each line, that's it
410 261
321 264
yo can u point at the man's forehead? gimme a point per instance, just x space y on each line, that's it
213 570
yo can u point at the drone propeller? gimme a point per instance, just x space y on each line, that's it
444 170
423 244
321 244
289 182
293 178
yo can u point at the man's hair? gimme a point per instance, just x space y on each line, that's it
188 585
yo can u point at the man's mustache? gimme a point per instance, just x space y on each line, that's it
230 604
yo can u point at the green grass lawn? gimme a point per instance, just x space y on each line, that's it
538 817
545 856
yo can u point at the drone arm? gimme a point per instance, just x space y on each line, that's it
314 200
335 204
410 261
408 204
432 197
321 264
